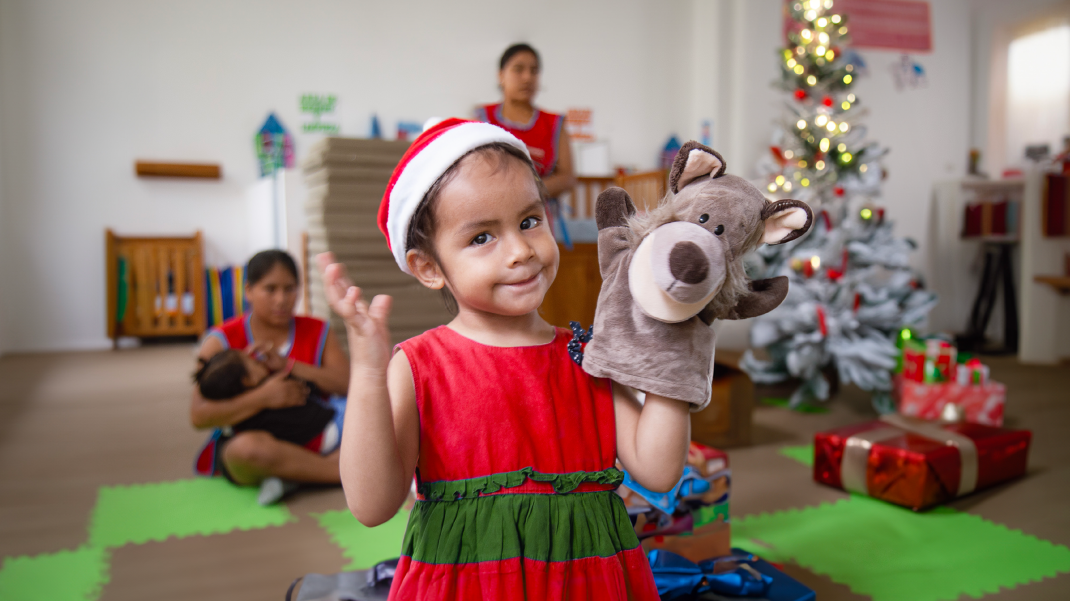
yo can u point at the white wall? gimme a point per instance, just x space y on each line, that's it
88 88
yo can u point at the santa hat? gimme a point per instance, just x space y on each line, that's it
431 154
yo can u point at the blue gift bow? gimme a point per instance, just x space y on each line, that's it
677 576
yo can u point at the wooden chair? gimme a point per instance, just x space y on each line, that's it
163 288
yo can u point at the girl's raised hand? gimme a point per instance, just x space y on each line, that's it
366 323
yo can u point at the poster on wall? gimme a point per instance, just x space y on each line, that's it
274 146
579 124
319 113
903 25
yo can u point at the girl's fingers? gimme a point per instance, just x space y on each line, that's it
379 310
324 259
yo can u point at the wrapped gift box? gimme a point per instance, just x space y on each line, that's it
711 540
708 580
952 401
691 520
918 464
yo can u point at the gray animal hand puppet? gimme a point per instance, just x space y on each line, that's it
667 274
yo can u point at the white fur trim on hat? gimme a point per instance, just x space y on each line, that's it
425 167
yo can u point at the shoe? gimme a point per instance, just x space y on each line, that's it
272 490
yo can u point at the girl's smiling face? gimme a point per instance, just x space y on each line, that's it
494 250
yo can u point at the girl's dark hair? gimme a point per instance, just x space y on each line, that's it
222 377
514 50
264 261
422 225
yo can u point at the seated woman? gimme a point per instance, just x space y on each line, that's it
271 330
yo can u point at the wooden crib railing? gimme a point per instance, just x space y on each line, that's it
646 189
155 286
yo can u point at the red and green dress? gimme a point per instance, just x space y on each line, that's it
516 479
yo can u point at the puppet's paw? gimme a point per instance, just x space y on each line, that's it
613 208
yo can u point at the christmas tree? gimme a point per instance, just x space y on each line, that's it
852 290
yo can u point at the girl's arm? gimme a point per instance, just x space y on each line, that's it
562 179
332 376
380 438
652 438
275 393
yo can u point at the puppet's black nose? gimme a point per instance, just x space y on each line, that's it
687 263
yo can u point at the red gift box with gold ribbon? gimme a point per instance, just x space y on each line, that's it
918 464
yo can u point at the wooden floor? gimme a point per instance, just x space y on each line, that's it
70 423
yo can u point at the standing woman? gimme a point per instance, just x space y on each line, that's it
303 347
542 132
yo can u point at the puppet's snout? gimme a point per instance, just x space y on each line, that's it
688 261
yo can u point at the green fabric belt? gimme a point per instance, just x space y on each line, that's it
457 489
542 527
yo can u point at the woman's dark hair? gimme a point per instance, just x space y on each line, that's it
422 226
222 377
514 50
264 261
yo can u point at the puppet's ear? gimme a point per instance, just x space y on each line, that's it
786 220
692 162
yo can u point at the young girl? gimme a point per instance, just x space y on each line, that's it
512 443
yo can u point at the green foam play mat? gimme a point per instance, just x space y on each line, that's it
804 454
64 576
142 512
894 554
362 546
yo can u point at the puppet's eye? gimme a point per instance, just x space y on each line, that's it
718 230
703 218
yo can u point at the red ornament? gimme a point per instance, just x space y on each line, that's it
828 220
838 190
827 101
800 94
778 155
821 321
858 302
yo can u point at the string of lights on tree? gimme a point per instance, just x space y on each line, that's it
819 148
851 286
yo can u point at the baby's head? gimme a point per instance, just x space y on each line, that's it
227 374
465 213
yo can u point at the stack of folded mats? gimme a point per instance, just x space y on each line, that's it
346 181
690 520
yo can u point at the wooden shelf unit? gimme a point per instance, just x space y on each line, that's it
164 287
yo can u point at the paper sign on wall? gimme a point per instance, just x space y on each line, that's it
904 25
579 124
314 107
274 146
